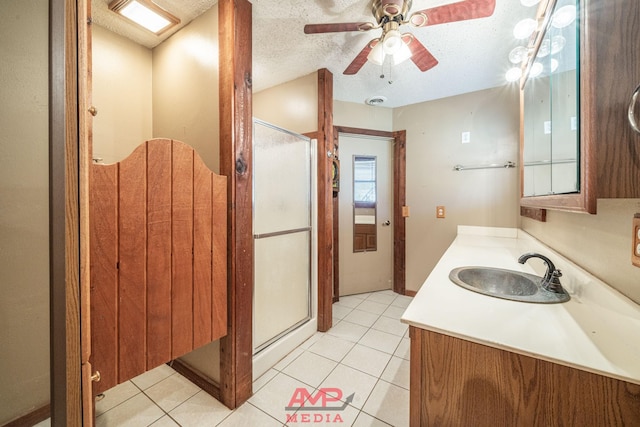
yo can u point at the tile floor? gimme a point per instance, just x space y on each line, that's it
365 353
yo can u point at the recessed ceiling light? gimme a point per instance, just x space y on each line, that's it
524 28
376 100
145 13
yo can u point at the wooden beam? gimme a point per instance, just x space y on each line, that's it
325 200
399 201
66 402
236 349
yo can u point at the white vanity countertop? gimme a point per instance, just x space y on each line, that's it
598 330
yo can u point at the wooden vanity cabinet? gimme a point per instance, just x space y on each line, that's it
455 382
609 70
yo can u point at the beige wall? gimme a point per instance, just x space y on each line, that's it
292 106
24 208
476 197
363 116
122 73
185 87
601 244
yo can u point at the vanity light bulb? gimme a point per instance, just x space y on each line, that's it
564 16
514 74
536 69
518 54
524 28
545 48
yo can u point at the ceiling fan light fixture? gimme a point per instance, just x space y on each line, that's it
402 54
564 16
146 14
513 74
377 54
392 42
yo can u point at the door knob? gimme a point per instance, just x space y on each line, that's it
386 223
96 377
93 111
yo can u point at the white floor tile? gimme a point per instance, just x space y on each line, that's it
331 347
154 376
397 372
200 410
404 349
276 395
165 421
311 340
380 341
248 415
367 360
394 312
382 298
389 325
366 420
351 381
115 396
361 318
350 301
172 391
264 379
402 301
310 368
339 311
348 331
389 403
135 412
372 307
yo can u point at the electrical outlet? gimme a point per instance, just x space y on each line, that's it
635 247
466 137
440 211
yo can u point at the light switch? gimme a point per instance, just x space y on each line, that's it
466 137
440 211
405 211
635 248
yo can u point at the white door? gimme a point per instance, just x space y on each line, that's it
366 270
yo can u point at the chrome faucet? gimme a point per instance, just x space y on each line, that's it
551 280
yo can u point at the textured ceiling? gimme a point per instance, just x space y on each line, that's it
472 54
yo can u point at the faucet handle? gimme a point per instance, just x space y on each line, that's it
554 284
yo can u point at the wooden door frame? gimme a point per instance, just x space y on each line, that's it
399 201
65 208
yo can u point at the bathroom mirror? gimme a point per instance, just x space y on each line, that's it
364 204
550 102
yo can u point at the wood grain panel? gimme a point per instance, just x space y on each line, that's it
202 253
219 254
236 361
399 201
103 235
159 252
132 265
464 383
182 249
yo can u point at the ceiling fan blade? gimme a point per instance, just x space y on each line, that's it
361 59
420 56
337 28
459 11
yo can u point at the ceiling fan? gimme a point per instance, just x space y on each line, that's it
390 15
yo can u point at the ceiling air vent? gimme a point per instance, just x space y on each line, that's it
376 100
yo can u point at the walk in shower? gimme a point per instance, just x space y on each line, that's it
284 235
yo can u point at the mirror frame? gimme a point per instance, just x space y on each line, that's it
585 200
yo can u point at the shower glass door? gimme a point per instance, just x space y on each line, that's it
282 229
